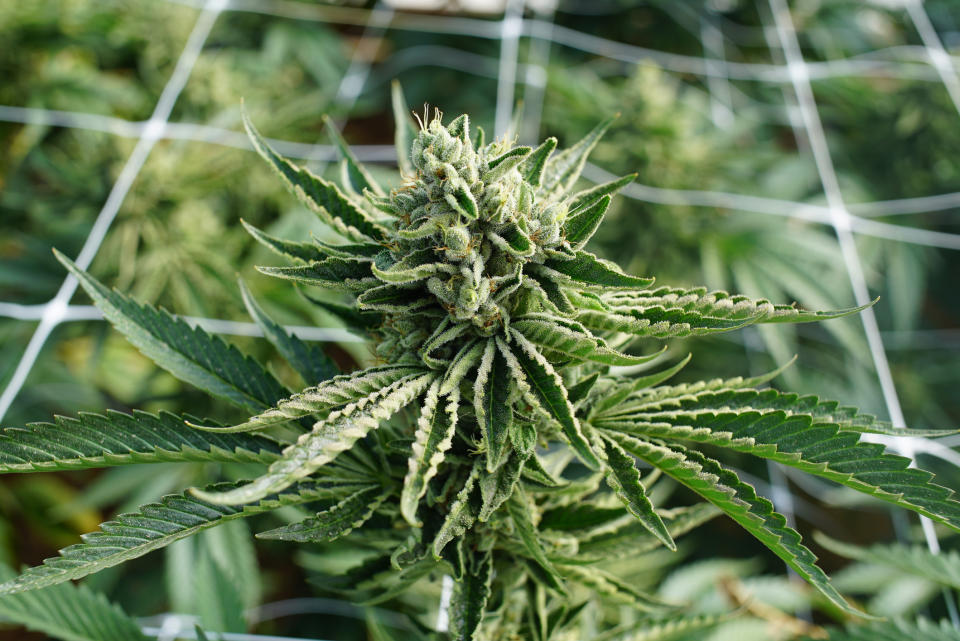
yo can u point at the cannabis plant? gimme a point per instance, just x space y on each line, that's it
494 441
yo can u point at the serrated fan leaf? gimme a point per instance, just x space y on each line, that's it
573 340
671 629
115 438
343 274
190 354
563 168
623 477
497 487
610 585
322 197
583 223
673 313
491 403
336 521
360 178
295 250
586 196
394 299
532 168
585 269
336 392
740 502
462 514
307 360
404 132
68 612
819 438
518 506
548 392
470 595
152 527
329 437
898 630
433 438
618 393
942 568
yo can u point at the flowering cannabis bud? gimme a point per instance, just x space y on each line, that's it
493 321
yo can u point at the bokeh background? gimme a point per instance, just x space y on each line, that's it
803 151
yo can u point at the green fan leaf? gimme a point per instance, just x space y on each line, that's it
404 132
322 197
152 527
548 391
897 630
942 568
345 274
563 168
592 194
470 595
573 340
336 521
818 438
587 270
295 250
583 223
519 508
433 438
336 392
190 354
115 438
740 502
623 477
610 585
360 179
308 360
329 437
68 612
673 313
491 403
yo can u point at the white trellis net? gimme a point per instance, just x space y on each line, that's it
533 20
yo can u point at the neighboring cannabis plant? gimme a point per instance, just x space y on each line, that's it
491 319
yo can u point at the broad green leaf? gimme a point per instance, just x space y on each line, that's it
573 340
329 437
548 391
190 354
68 612
586 269
322 197
818 438
343 274
217 600
740 502
307 360
336 521
563 169
152 527
336 392
942 568
518 505
115 438
470 595
623 477
491 403
358 175
583 223
433 438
